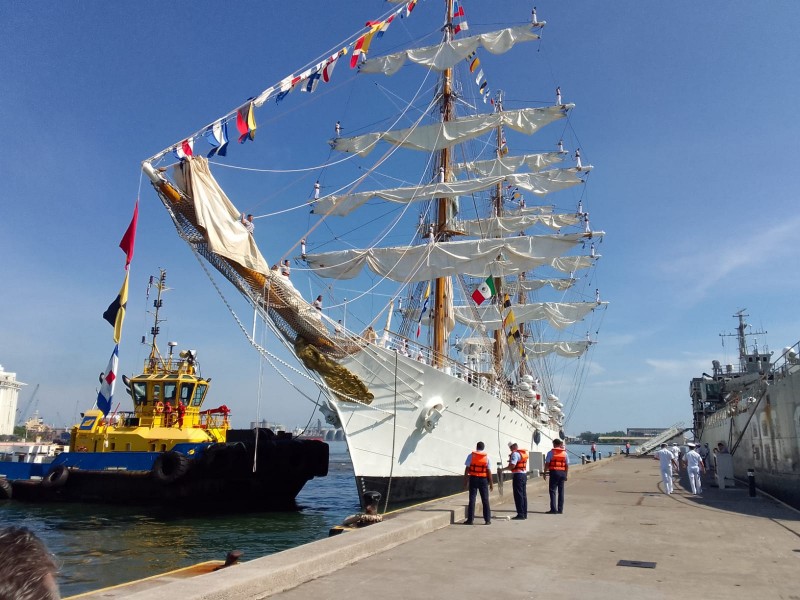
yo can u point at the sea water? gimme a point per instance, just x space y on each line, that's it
100 545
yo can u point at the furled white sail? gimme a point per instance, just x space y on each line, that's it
444 56
217 217
570 264
442 135
509 164
470 257
500 226
540 184
529 285
564 349
558 314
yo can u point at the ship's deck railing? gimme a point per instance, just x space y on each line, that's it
788 362
201 420
486 382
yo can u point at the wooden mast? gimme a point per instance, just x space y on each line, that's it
499 334
439 334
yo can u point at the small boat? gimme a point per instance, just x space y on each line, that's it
124 590
170 450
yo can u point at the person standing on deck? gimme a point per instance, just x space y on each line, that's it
478 476
518 465
666 460
556 465
594 451
694 465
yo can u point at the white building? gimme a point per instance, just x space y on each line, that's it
9 392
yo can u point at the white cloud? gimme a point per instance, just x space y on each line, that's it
712 260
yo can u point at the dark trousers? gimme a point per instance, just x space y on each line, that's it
557 487
520 482
479 484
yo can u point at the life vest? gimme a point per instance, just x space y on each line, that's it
522 464
479 464
558 460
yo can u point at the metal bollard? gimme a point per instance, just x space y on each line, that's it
751 482
583 459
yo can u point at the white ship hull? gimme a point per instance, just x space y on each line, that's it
410 443
765 435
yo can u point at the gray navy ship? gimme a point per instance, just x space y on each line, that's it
753 408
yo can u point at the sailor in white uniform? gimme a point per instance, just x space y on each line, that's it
666 460
694 465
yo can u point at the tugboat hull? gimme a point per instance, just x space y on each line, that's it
243 474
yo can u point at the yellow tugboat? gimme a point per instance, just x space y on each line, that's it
169 447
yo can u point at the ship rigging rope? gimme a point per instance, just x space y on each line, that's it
269 356
230 115
394 434
355 183
383 236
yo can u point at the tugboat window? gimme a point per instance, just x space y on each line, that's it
156 392
186 392
169 392
198 394
139 391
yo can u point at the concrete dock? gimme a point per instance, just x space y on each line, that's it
721 544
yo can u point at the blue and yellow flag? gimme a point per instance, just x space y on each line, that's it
115 313
426 297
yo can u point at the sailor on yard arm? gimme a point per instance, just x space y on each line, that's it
248 223
479 477
556 465
694 465
666 460
518 465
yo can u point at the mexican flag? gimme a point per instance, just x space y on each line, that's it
484 291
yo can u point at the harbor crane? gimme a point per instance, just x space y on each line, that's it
23 412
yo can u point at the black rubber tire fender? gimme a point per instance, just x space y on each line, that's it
57 476
170 466
5 489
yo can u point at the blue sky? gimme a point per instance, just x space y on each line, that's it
686 110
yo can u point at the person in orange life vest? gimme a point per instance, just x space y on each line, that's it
556 465
518 465
479 477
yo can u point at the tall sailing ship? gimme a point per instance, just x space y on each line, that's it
475 324
753 409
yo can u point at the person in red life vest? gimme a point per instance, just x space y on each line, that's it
168 414
518 465
479 477
556 465
181 413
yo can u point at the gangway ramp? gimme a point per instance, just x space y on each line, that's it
655 442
